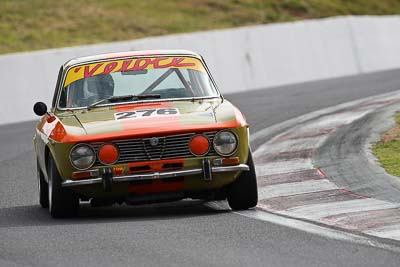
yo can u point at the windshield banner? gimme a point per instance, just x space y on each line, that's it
122 65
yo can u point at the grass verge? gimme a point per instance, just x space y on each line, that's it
388 149
38 24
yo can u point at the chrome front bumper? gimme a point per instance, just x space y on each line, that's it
156 175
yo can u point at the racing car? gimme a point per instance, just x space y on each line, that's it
141 127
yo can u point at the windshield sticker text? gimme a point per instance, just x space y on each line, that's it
135 64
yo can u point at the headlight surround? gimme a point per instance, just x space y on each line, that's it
82 156
225 143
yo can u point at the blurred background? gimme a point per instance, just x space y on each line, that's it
27 25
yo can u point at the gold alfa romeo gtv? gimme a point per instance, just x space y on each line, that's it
141 127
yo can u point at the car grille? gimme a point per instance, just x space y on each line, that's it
156 148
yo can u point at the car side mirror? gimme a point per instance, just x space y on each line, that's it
40 108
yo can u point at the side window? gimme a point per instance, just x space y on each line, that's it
60 72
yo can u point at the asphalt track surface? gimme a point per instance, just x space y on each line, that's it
183 233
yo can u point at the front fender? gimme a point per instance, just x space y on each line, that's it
60 154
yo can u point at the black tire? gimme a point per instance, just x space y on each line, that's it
242 193
43 188
62 201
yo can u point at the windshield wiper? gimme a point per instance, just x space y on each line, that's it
114 99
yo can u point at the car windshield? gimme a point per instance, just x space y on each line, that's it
156 78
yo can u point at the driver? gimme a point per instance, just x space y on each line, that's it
99 87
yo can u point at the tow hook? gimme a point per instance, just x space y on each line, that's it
207 174
107 179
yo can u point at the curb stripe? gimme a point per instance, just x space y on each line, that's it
284 167
337 119
366 220
319 211
284 156
291 145
295 188
291 177
288 202
313 133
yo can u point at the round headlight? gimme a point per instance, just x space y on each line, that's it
82 156
225 143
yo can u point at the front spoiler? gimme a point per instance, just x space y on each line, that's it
155 175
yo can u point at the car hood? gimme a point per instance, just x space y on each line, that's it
148 119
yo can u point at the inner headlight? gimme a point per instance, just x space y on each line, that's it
225 143
82 156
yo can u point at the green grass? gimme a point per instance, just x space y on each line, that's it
388 150
39 24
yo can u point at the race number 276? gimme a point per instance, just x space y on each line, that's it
146 113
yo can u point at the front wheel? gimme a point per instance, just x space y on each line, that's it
62 201
242 193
